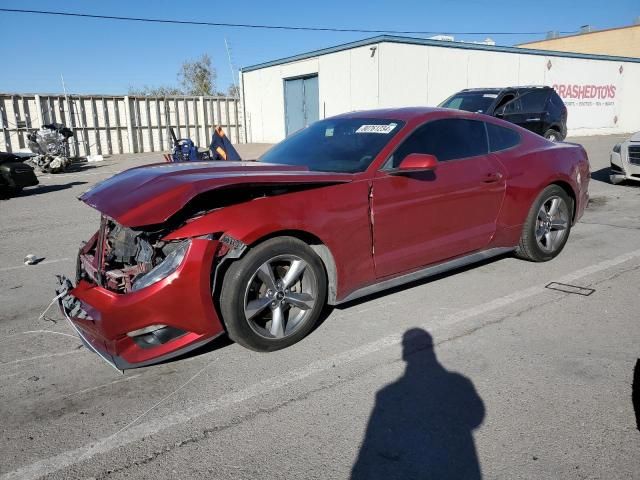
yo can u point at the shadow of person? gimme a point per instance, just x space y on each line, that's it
421 425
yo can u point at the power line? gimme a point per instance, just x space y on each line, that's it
269 27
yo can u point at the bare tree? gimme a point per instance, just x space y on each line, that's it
198 77
233 91
163 91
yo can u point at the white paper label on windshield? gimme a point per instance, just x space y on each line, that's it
490 95
384 129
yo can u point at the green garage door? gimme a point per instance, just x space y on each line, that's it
300 102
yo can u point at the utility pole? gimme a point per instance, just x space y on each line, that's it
72 113
233 77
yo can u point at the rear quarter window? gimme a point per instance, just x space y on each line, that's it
501 138
534 101
556 100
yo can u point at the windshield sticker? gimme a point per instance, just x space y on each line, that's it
384 129
490 95
328 132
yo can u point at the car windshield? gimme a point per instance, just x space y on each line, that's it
478 102
335 145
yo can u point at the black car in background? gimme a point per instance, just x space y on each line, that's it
536 108
15 174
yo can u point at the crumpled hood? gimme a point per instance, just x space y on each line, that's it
151 194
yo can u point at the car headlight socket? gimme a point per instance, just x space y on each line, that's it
617 148
165 268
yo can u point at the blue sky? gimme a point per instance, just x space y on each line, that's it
100 56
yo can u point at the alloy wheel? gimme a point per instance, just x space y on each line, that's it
552 224
280 296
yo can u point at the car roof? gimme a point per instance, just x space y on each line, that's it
406 113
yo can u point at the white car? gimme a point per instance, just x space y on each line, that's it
625 160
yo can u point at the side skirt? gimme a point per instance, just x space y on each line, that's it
426 272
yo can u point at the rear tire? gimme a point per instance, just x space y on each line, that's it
547 227
552 135
273 296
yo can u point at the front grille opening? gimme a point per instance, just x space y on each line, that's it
634 154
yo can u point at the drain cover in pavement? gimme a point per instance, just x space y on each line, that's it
566 288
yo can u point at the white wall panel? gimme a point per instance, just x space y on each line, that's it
447 73
334 83
404 78
491 69
364 78
400 75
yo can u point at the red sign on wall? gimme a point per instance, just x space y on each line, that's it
586 92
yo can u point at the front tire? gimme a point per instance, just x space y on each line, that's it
547 227
273 296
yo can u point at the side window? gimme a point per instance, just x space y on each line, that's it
501 138
534 101
447 139
514 106
506 99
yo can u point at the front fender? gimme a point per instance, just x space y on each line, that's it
337 215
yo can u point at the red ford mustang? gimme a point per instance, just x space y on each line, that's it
344 208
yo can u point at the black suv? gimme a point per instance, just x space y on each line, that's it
538 109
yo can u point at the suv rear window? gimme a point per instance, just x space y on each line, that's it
501 138
534 101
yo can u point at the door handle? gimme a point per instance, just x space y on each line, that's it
536 119
492 177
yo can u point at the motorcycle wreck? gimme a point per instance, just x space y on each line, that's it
50 143
15 174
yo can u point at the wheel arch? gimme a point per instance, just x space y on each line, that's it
572 194
319 247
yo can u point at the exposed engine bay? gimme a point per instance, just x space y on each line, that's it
126 255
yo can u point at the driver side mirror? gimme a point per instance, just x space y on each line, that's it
417 162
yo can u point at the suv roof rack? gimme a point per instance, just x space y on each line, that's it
534 86
500 89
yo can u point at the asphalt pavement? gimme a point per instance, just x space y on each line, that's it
481 373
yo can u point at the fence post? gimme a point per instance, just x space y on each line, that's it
202 120
39 113
127 111
5 124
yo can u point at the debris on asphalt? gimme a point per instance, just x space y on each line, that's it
566 288
50 143
31 259
94 158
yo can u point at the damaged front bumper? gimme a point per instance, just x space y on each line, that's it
165 319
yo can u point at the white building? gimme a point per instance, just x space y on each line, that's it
602 93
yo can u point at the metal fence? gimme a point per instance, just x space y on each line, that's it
119 124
